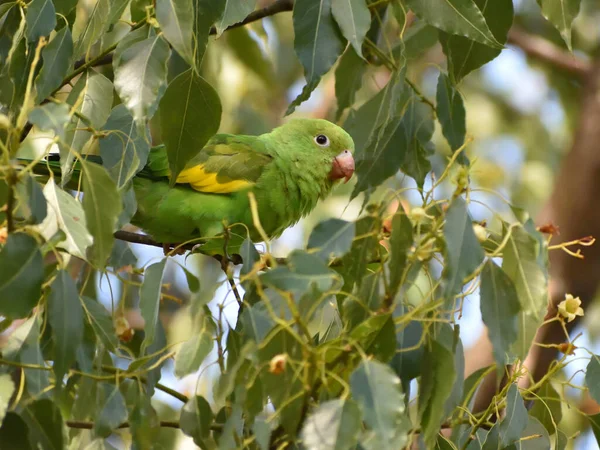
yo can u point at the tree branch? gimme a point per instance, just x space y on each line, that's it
544 50
90 425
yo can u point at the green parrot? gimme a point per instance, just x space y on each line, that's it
288 170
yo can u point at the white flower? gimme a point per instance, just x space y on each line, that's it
570 307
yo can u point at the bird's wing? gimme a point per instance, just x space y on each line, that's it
226 164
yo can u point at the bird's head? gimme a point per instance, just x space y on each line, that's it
325 141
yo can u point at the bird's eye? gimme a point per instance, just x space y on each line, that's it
322 140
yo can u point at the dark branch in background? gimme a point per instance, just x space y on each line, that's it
542 49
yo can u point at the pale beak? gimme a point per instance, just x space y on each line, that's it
342 167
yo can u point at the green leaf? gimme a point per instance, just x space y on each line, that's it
332 238
461 17
524 262
234 12
515 420
248 52
90 26
333 425
437 380
102 323
13 433
348 79
113 411
145 426
376 388
191 114
196 418
7 387
302 271
96 93
66 213
464 253
46 426
124 151
150 294
66 318
256 322
594 420
465 55
547 407
364 249
249 256
51 117
354 20
317 43
32 204
64 7
57 56
21 275
407 363
401 240
206 13
176 20
592 377
41 19
102 206
536 437
499 310
450 112
141 75
561 14
193 352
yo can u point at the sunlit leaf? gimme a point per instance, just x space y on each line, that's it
7 387
465 55
51 117
176 20
561 14
460 17
317 42
332 425
21 275
354 20
376 388
191 114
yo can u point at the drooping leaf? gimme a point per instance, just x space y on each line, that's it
191 114
464 253
515 419
21 275
141 76
332 238
547 407
354 20
460 17
499 310
32 203
41 19
46 425
102 206
112 411
206 13
93 92
364 249
102 323
66 214
89 27
348 79
376 388
124 151
465 55
534 436
451 114
65 314
196 418
51 117
592 377
561 14
57 56
176 20
234 12
333 425
150 294
317 43
401 241
193 352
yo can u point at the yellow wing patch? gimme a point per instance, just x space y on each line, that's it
203 181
